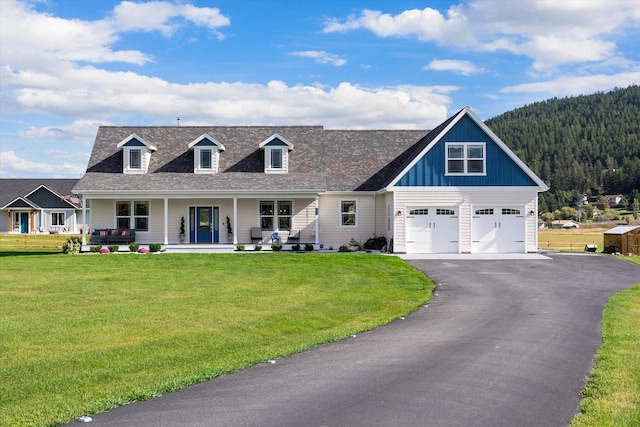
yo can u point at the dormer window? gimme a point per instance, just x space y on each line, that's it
206 154
465 158
276 154
136 154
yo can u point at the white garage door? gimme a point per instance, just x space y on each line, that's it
432 230
497 230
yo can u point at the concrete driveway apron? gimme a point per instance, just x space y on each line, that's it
503 343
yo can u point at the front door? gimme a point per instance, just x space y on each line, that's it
204 227
24 222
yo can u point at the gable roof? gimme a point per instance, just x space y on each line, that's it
436 135
12 189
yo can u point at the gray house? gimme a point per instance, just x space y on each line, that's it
39 206
457 188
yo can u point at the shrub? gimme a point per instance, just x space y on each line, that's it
73 245
355 245
114 248
240 247
295 247
257 248
344 248
104 250
95 249
155 247
143 251
308 247
276 247
133 247
377 243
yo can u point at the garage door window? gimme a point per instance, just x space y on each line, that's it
510 211
484 211
445 212
419 212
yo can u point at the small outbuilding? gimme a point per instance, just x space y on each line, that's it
624 239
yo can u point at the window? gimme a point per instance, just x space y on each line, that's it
465 158
58 218
205 159
510 211
484 211
276 158
348 213
270 216
445 212
135 159
139 216
419 212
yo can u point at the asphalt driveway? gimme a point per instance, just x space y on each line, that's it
503 343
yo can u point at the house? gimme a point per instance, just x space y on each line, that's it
624 239
613 199
455 189
39 206
564 223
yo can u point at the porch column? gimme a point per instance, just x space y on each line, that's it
166 221
317 240
84 221
235 219
32 220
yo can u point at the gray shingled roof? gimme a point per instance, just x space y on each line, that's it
333 160
12 188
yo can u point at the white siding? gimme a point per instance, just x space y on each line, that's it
332 233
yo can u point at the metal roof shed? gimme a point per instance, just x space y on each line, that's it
624 237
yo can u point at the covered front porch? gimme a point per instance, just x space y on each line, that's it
183 220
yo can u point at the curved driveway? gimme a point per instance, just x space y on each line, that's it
503 343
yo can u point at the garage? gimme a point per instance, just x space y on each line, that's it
497 229
432 230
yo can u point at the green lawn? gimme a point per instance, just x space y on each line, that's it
81 334
612 395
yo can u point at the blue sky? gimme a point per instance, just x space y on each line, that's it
68 66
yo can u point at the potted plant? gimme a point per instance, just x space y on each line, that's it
182 230
229 230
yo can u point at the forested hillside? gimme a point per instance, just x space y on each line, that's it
584 144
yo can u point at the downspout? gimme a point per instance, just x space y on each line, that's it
317 240
84 222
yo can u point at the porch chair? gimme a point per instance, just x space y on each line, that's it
275 237
294 234
256 234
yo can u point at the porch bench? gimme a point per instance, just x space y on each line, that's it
112 235
256 234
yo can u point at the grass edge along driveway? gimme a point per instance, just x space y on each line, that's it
82 334
612 393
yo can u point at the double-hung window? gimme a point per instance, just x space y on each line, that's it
276 214
275 158
136 213
135 158
58 218
206 161
348 213
467 158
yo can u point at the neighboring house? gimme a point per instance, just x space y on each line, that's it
39 206
565 223
456 189
613 200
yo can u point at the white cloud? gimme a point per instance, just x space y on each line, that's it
550 32
465 68
571 85
321 57
82 131
13 166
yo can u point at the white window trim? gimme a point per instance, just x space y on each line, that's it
268 152
145 154
355 214
197 159
132 214
465 159
276 216
56 215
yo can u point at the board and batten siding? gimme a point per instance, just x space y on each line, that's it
332 233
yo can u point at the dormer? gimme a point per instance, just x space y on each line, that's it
276 154
136 154
206 154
